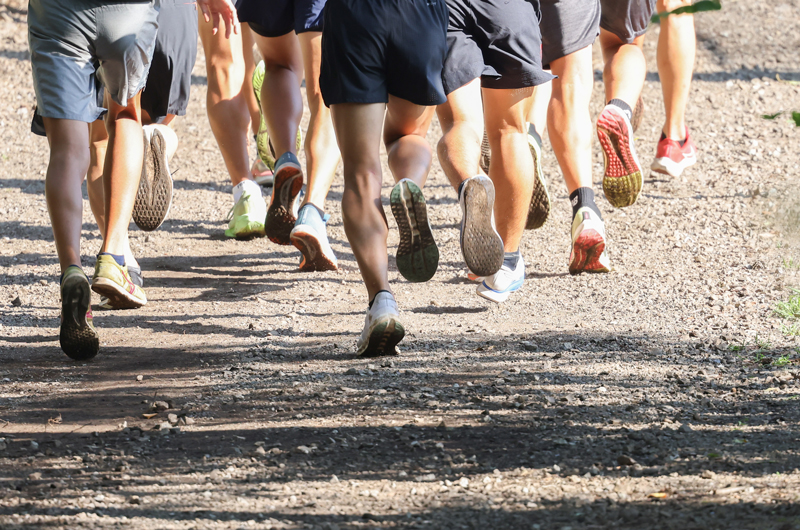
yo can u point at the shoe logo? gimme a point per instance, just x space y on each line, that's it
575 201
586 216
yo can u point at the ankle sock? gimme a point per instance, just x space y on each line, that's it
583 198
247 185
119 259
624 106
680 142
376 295
511 259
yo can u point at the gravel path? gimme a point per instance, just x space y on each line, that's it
661 395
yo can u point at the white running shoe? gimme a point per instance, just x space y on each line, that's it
382 328
501 284
588 243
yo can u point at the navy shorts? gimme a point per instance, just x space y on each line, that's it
374 48
496 40
275 18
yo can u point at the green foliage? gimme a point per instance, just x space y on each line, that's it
697 7
781 361
796 118
790 308
792 330
771 116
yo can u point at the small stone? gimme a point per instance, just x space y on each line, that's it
352 371
139 378
334 479
625 460
708 474
3 446
602 390
188 421
134 499
34 445
16 302
302 450
261 451
463 482
567 345
43 282
686 428
172 418
159 405
529 346
35 476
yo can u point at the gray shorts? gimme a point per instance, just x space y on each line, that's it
627 19
73 42
567 26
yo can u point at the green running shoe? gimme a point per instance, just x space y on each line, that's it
246 218
77 335
265 150
417 254
113 281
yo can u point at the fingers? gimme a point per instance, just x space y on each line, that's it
215 25
205 11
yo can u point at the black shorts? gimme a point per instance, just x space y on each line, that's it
373 48
275 18
496 40
627 19
567 26
170 79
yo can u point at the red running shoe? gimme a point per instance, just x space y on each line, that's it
622 180
672 158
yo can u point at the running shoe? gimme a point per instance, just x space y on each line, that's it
382 328
261 173
310 237
588 243
672 157
78 337
638 114
136 277
486 153
499 286
154 196
622 180
282 211
539 209
417 254
481 245
246 218
113 281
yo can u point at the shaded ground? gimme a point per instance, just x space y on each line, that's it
662 395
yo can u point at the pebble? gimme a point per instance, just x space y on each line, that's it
34 445
16 302
625 460
139 377
302 449
134 499
159 405
172 418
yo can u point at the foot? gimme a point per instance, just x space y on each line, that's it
282 211
246 218
539 209
154 196
310 237
136 277
588 243
499 286
672 157
417 254
78 337
481 245
382 328
622 180
113 281
261 173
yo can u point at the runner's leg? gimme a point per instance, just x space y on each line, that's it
677 46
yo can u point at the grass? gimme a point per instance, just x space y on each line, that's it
790 308
782 361
791 263
790 330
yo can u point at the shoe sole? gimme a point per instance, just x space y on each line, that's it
486 154
498 297
586 253
77 338
481 245
247 230
280 214
118 297
539 210
417 254
666 166
384 338
154 196
622 180
314 258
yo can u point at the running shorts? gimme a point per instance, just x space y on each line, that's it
496 40
170 79
568 26
374 48
627 19
275 18
75 43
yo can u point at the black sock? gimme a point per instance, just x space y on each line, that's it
511 259
583 198
376 295
622 105
680 142
119 259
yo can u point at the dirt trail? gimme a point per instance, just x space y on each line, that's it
662 395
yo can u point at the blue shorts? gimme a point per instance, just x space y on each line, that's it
275 18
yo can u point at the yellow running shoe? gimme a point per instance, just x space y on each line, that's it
113 281
246 218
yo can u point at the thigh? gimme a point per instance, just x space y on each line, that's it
567 26
626 19
283 51
463 106
404 118
506 108
358 132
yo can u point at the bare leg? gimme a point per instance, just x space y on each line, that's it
676 53
540 102
248 51
226 100
322 153
409 154
94 177
625 69
461 118
282 103
122 170
358 131
568 117
512 168
69 162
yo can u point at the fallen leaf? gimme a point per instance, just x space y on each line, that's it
149 416
658 495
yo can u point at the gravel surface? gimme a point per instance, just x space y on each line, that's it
661 395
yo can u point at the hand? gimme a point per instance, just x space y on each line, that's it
220 9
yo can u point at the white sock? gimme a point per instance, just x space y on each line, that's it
248 186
